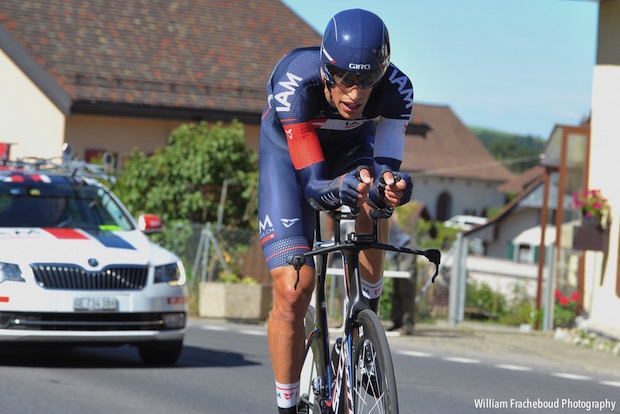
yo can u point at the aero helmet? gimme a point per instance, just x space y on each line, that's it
355 49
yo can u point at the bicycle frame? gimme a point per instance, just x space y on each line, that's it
318 339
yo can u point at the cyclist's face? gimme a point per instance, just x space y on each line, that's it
350 102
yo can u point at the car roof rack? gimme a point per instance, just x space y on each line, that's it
68 166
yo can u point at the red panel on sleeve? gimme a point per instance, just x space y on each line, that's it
303 145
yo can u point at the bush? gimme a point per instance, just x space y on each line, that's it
481 297
521 309
185 179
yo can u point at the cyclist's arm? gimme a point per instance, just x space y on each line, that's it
395 104
309 162
389 148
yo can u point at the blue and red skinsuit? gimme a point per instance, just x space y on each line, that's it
305 146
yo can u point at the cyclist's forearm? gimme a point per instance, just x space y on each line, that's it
321 193
383 164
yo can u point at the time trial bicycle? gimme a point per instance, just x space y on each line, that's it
357 375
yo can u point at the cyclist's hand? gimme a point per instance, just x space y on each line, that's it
397 188
391 190
354 187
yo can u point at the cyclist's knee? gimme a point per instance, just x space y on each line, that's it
289 302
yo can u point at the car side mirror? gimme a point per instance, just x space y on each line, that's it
150 224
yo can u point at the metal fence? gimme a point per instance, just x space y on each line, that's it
207 253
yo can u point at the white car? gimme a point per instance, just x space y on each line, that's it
76 268
465 222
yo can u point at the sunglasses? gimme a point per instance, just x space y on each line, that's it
346 79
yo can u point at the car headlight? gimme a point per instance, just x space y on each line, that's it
10 272
173 274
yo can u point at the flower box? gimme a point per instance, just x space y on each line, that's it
590 238
234 301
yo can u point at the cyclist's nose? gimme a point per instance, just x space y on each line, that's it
354 92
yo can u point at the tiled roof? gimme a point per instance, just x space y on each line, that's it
520 182
449 148
200 55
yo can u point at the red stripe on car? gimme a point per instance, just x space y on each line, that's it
66 233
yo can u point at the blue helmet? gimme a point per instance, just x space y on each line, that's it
355 49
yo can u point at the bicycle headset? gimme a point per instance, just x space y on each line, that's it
355 49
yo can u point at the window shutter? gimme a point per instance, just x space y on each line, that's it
511 251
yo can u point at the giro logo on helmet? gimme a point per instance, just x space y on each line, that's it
358 66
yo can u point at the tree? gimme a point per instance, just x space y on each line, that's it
184 180
517 152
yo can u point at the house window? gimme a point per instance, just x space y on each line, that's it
524 254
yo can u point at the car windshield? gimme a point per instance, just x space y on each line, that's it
60 204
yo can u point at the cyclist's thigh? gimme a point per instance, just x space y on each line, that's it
286 220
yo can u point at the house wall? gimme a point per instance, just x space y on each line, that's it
602 293
471 197
602 280
511 227
27 117
116 134
119 135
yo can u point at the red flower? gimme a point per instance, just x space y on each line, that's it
590 202
563 300
558 294
574 296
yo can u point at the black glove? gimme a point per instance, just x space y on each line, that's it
348 188
376 196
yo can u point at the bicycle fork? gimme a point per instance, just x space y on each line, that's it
335 395
329 391
317 333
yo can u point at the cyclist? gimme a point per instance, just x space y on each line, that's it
332 131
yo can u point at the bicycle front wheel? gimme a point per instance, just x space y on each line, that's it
374 382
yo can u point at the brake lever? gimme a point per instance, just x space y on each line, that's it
297 262
433 256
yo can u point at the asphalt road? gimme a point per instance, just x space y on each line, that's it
225 369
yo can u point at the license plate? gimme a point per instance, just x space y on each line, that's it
95 304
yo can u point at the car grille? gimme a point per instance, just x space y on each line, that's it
85 321
72 277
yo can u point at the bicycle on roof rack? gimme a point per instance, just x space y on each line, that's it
68 165
358 376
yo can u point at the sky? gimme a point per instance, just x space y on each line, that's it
517 66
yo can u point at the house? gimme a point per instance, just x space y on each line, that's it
453 172
113 75
602 267
520 214
511 232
